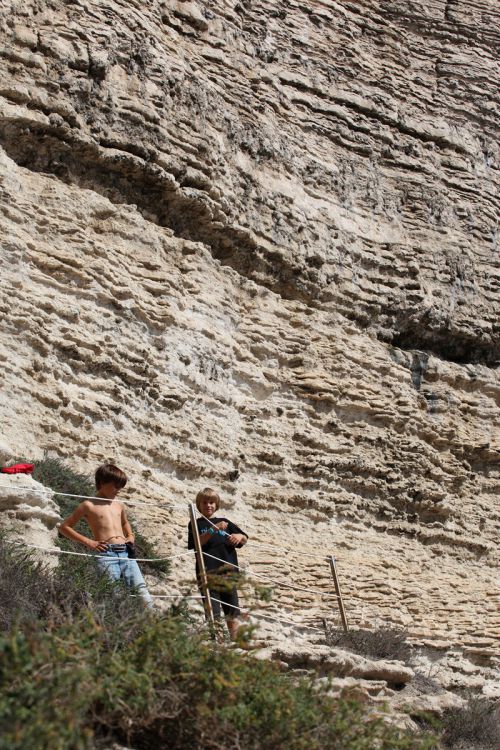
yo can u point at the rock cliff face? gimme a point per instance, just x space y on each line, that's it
254 245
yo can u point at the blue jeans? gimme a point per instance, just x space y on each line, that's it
118 565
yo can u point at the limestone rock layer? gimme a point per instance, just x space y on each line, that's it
254 245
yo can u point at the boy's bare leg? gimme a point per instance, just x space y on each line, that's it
233 626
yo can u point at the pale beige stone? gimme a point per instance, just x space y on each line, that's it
325 659
259 252
28 512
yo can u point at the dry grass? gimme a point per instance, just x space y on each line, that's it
30 593
383 643
475 726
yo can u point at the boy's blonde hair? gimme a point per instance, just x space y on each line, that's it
207 494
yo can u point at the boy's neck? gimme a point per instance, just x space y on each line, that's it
103 497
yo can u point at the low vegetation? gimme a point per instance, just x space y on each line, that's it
477 725
151 684
31 593
82 666
382 643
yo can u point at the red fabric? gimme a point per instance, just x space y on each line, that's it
18 469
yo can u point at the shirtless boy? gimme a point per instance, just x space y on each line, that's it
110 528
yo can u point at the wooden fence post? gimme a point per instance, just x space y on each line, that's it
207 602
340 602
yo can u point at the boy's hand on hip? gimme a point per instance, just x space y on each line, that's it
98 546
235 539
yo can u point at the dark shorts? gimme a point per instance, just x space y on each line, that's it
228 599
223 593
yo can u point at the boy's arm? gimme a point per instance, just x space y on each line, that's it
237 537
127 528
204 538
67 530
207 535
237 540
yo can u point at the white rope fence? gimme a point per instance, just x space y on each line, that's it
273 546
108 557
179 597
161 504
182 597
95 556
276 546
271 580
44 493
270 617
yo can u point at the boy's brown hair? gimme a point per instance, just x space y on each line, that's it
207 494
110 473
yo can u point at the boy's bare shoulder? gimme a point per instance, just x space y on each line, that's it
85 505
93 504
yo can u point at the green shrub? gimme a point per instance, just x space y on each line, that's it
151 684
85 665
44 694
53 473
24 586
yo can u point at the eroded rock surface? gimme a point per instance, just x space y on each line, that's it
27 511
253 245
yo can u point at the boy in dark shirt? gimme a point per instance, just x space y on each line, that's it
219 537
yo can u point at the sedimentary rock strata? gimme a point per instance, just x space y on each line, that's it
28 514
253 245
